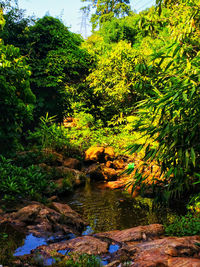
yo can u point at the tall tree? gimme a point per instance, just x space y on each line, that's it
106 10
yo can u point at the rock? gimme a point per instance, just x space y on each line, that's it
118 164
56 158
109 173
72 163
45 167
134 234
53 198
109 153
95 172
58 219
114 264
59 184
182 261
85 244
76 177
95 154
168 251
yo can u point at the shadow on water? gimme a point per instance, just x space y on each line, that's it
107 210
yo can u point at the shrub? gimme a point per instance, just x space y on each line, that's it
184 226
18 182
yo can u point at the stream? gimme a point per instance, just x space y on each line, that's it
104 210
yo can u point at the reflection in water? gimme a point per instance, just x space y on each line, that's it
106 209
31 242
113 248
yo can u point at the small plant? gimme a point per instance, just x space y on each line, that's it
80 260
184 226
49 135
18 182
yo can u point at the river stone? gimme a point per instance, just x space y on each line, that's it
168 251
84 244
134 234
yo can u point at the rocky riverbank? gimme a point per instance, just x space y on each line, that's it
57 230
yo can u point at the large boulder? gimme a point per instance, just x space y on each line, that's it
134 234
168 251
109 153
84 244
95 154
40 220
99 154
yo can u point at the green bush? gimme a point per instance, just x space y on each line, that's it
49 135
16 102
17 182
184 226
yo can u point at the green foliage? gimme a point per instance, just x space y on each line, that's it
119 80
79 260
48 135
105 10
171 116
17 182
56 62
194 203
15 28
184 226
16 102
2 21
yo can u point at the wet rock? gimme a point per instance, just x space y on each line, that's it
95 154
85 244
169 251
109 173
134 234
72 163
95 172
40 220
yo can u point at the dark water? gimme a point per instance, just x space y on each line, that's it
106 209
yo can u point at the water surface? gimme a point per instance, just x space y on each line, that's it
105 209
